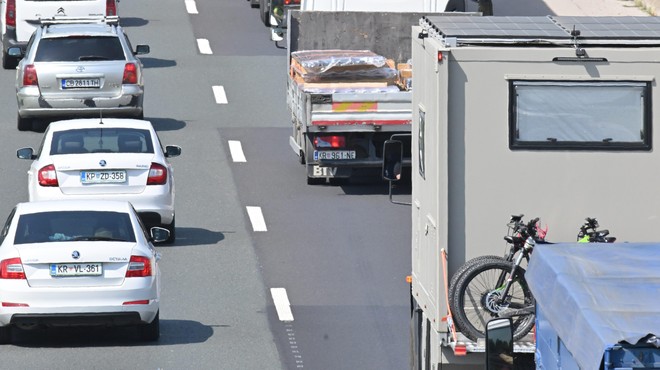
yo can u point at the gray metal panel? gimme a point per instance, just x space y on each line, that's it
548 27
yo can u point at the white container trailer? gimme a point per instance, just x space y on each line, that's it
551 117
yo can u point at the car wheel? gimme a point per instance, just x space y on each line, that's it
264 12
8 62
5 334
23 124
151 332
172 229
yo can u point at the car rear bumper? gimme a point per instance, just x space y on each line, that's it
31 104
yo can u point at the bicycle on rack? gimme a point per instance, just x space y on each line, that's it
494 286
589 233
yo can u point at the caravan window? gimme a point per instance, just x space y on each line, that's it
580 115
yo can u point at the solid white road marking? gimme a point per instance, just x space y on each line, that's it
191 7
204 46
256 218
220 95
282 304
236 150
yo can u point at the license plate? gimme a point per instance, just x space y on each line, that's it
76 83
334 154
76 269
102 177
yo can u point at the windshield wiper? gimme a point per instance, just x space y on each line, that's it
92 57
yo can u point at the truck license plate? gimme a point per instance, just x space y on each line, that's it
334 154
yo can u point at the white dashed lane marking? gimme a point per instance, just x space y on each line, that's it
282 304
256 218
236 150
220 95
204 46
191 7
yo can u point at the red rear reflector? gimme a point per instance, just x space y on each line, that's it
439 56
130 74
139 266
143 301
30 76
460 350
110 7
10 13
48 176
12 304
157 175
330 141
12 268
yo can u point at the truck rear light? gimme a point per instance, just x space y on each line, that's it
291 2
110 7
47 176
14 304
142 301
157 175
130 74
10 13
30 76
12 268
139 266
333 141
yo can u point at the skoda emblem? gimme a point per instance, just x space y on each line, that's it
102 162
80 69
60 11
75 255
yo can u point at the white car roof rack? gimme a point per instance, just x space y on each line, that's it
113 19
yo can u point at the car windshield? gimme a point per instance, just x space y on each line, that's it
57 226
79 48
101 140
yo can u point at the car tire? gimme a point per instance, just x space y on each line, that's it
151 332
5 334
23 124
264 12
172 229
8 62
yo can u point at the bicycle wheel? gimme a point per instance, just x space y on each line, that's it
457 275
475 299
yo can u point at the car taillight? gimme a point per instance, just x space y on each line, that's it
291 2
157 175
142 301
10 13
30 75
47 176
130 74
139 266
330 141
12 268
110 7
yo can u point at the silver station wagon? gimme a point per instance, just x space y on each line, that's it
79 67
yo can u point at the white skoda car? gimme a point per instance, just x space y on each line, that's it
109 158
65 263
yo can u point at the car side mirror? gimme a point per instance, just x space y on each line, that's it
142 49
499 344
159 234
172 151
25 153
392 159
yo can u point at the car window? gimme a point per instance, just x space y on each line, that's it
5 228
79 48
56 226
101 140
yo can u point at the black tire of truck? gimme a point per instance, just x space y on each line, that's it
457 275
477 285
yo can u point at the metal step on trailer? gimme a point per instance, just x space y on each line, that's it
463 345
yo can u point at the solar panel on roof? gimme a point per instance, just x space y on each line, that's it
548 27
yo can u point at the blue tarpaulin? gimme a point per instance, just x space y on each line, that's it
596 295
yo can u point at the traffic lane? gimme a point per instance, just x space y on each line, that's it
233 28
341 253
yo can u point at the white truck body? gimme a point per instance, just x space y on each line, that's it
364 118
515 115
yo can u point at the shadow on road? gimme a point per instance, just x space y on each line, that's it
150 62
189 236
166 124
172 332
133 22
